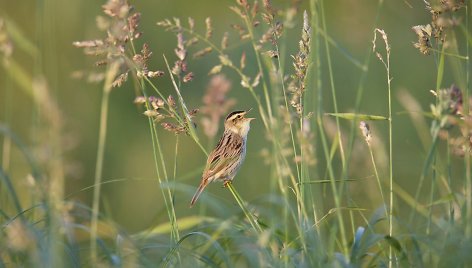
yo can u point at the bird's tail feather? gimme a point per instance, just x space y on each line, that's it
199 191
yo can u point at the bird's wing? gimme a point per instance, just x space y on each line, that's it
221 157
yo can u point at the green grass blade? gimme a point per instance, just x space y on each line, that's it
353 116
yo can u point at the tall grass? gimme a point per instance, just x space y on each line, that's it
311 218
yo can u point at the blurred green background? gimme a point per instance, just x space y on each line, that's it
136 203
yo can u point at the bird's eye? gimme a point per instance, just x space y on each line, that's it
239 116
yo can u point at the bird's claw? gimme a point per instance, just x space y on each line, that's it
226 183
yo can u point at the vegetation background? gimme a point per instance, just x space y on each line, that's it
131 197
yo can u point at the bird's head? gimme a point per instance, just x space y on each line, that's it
238 122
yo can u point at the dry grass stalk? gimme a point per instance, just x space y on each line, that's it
300 64
442 18
121 27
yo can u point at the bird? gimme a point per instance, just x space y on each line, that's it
225 160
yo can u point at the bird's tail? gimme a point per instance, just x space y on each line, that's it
199 191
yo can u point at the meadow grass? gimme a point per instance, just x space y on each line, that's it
310 218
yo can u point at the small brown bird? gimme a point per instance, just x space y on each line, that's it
225 160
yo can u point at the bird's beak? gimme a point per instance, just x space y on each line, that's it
249 118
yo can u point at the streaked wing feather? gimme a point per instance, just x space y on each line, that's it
223 155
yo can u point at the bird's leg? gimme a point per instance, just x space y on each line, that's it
226 183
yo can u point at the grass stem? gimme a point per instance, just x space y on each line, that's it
111 72
255 225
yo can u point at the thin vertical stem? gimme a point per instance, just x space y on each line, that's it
158 155
336 193
175 158
255 225
110 75
188 121
172 193
390 129
333 88
449 182
98 176
390 155
317 96
249 26
169 203
468 176
377 177
431 197
6 148
300 204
